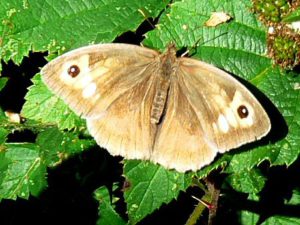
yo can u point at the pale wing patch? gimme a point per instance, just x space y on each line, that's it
109 62
89 90
99 71
84 81
231 117
223 124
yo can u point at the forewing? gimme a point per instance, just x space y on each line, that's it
125 128
227 111
106 72
113 91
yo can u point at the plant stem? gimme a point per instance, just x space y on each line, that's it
209 200
198 210
214 191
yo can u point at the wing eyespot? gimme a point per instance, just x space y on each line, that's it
243 111
73 71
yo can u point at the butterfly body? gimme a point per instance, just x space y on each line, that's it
140 104
167 66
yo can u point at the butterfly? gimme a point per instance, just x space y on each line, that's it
141 104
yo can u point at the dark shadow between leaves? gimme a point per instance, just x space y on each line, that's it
281 183
69 197
12 96
296 69
137 37
278 188
21 136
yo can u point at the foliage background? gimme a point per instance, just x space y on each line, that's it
51 168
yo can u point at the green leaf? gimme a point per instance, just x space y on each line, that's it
249 218
282 220
22 173
107 212
150 186
3 164
26 25
3 135
43 106
247 181
295 199
3 82
2 115
61 146
184 25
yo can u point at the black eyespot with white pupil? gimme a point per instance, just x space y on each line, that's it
73 71
243 111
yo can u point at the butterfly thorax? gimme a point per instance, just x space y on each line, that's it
167 67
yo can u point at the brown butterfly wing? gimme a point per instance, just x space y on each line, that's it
118 110
202 117
181 142
228 112
125 128
106 72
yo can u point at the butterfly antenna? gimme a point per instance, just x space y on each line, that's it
197 44
193 47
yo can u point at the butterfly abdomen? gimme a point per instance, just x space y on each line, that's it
168 67
159 100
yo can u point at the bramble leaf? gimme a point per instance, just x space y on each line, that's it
150 186
23 171
107 212
43 106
